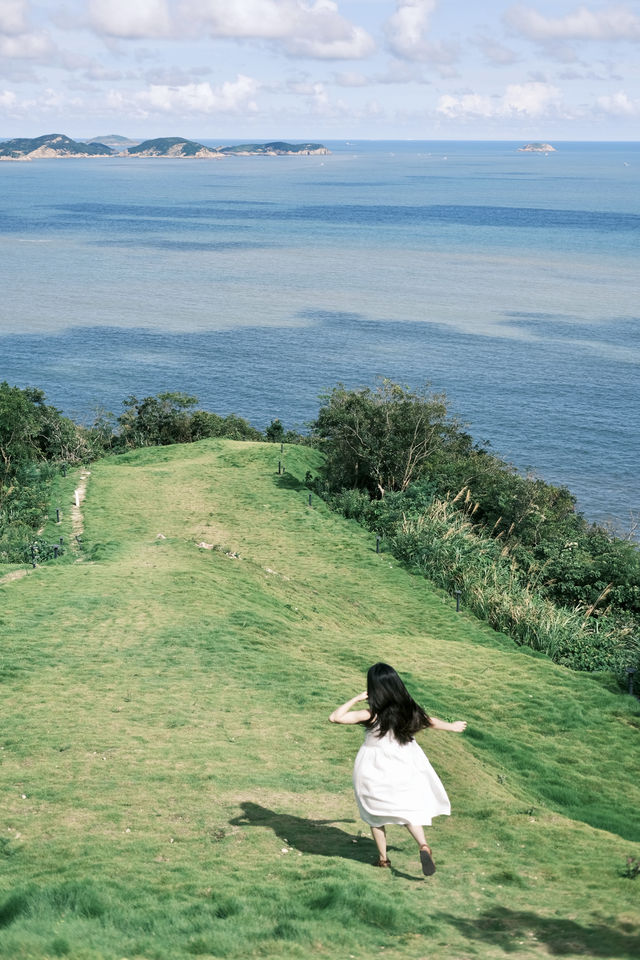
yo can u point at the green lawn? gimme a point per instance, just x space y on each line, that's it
171 786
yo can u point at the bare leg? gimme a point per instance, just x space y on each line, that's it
418 835
380 837
428 866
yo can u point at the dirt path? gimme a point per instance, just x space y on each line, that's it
77 527
77 521
14 575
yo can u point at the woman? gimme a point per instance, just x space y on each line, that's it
392 778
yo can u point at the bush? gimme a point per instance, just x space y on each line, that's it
405 452
443 545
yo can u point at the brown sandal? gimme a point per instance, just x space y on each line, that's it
428 866
382 863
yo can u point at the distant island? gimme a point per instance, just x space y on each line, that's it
537 148
56 146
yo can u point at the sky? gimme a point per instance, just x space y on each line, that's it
321 69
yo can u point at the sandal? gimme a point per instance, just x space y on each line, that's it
428 866
382 863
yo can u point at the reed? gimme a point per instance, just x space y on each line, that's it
444 544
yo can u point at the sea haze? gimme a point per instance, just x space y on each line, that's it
507 279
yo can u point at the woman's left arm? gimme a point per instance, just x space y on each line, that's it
458 726
344 713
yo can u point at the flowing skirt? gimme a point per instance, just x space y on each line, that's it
395 783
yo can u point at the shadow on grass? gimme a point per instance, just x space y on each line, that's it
319 837
509 929
287 481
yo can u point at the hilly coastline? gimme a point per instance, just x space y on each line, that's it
59 146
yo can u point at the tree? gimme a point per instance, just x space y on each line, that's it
32 432
157 421
380 440
275 431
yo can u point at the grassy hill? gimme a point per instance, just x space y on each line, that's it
171 786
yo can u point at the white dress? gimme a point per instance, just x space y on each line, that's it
395 783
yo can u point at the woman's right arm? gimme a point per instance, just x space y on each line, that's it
344 713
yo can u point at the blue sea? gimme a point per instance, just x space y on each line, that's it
508 280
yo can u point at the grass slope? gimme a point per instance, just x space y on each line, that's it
172 788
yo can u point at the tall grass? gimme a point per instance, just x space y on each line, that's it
440 539
444 544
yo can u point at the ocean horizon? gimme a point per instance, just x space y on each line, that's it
506 279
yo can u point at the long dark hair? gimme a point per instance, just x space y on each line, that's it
392 707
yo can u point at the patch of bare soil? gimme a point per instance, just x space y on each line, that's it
77 520
14 575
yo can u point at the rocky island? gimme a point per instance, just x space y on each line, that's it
56 145
170 147
51 146
537 148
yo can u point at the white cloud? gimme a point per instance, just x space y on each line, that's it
304 28
13 17
609 23
26 46
319 100
351 79
8 100
233 96
48 101
534 100
130 19
406 29
465 105
619 105
496 52
18 41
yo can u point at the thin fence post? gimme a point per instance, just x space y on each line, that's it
377 544
458 593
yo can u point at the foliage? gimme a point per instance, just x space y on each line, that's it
170 418
632 869
156 421
275 431
32 432
543 565
34 439
442 543
379 440
205 425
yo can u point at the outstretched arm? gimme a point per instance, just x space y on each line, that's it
458 726
344 713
